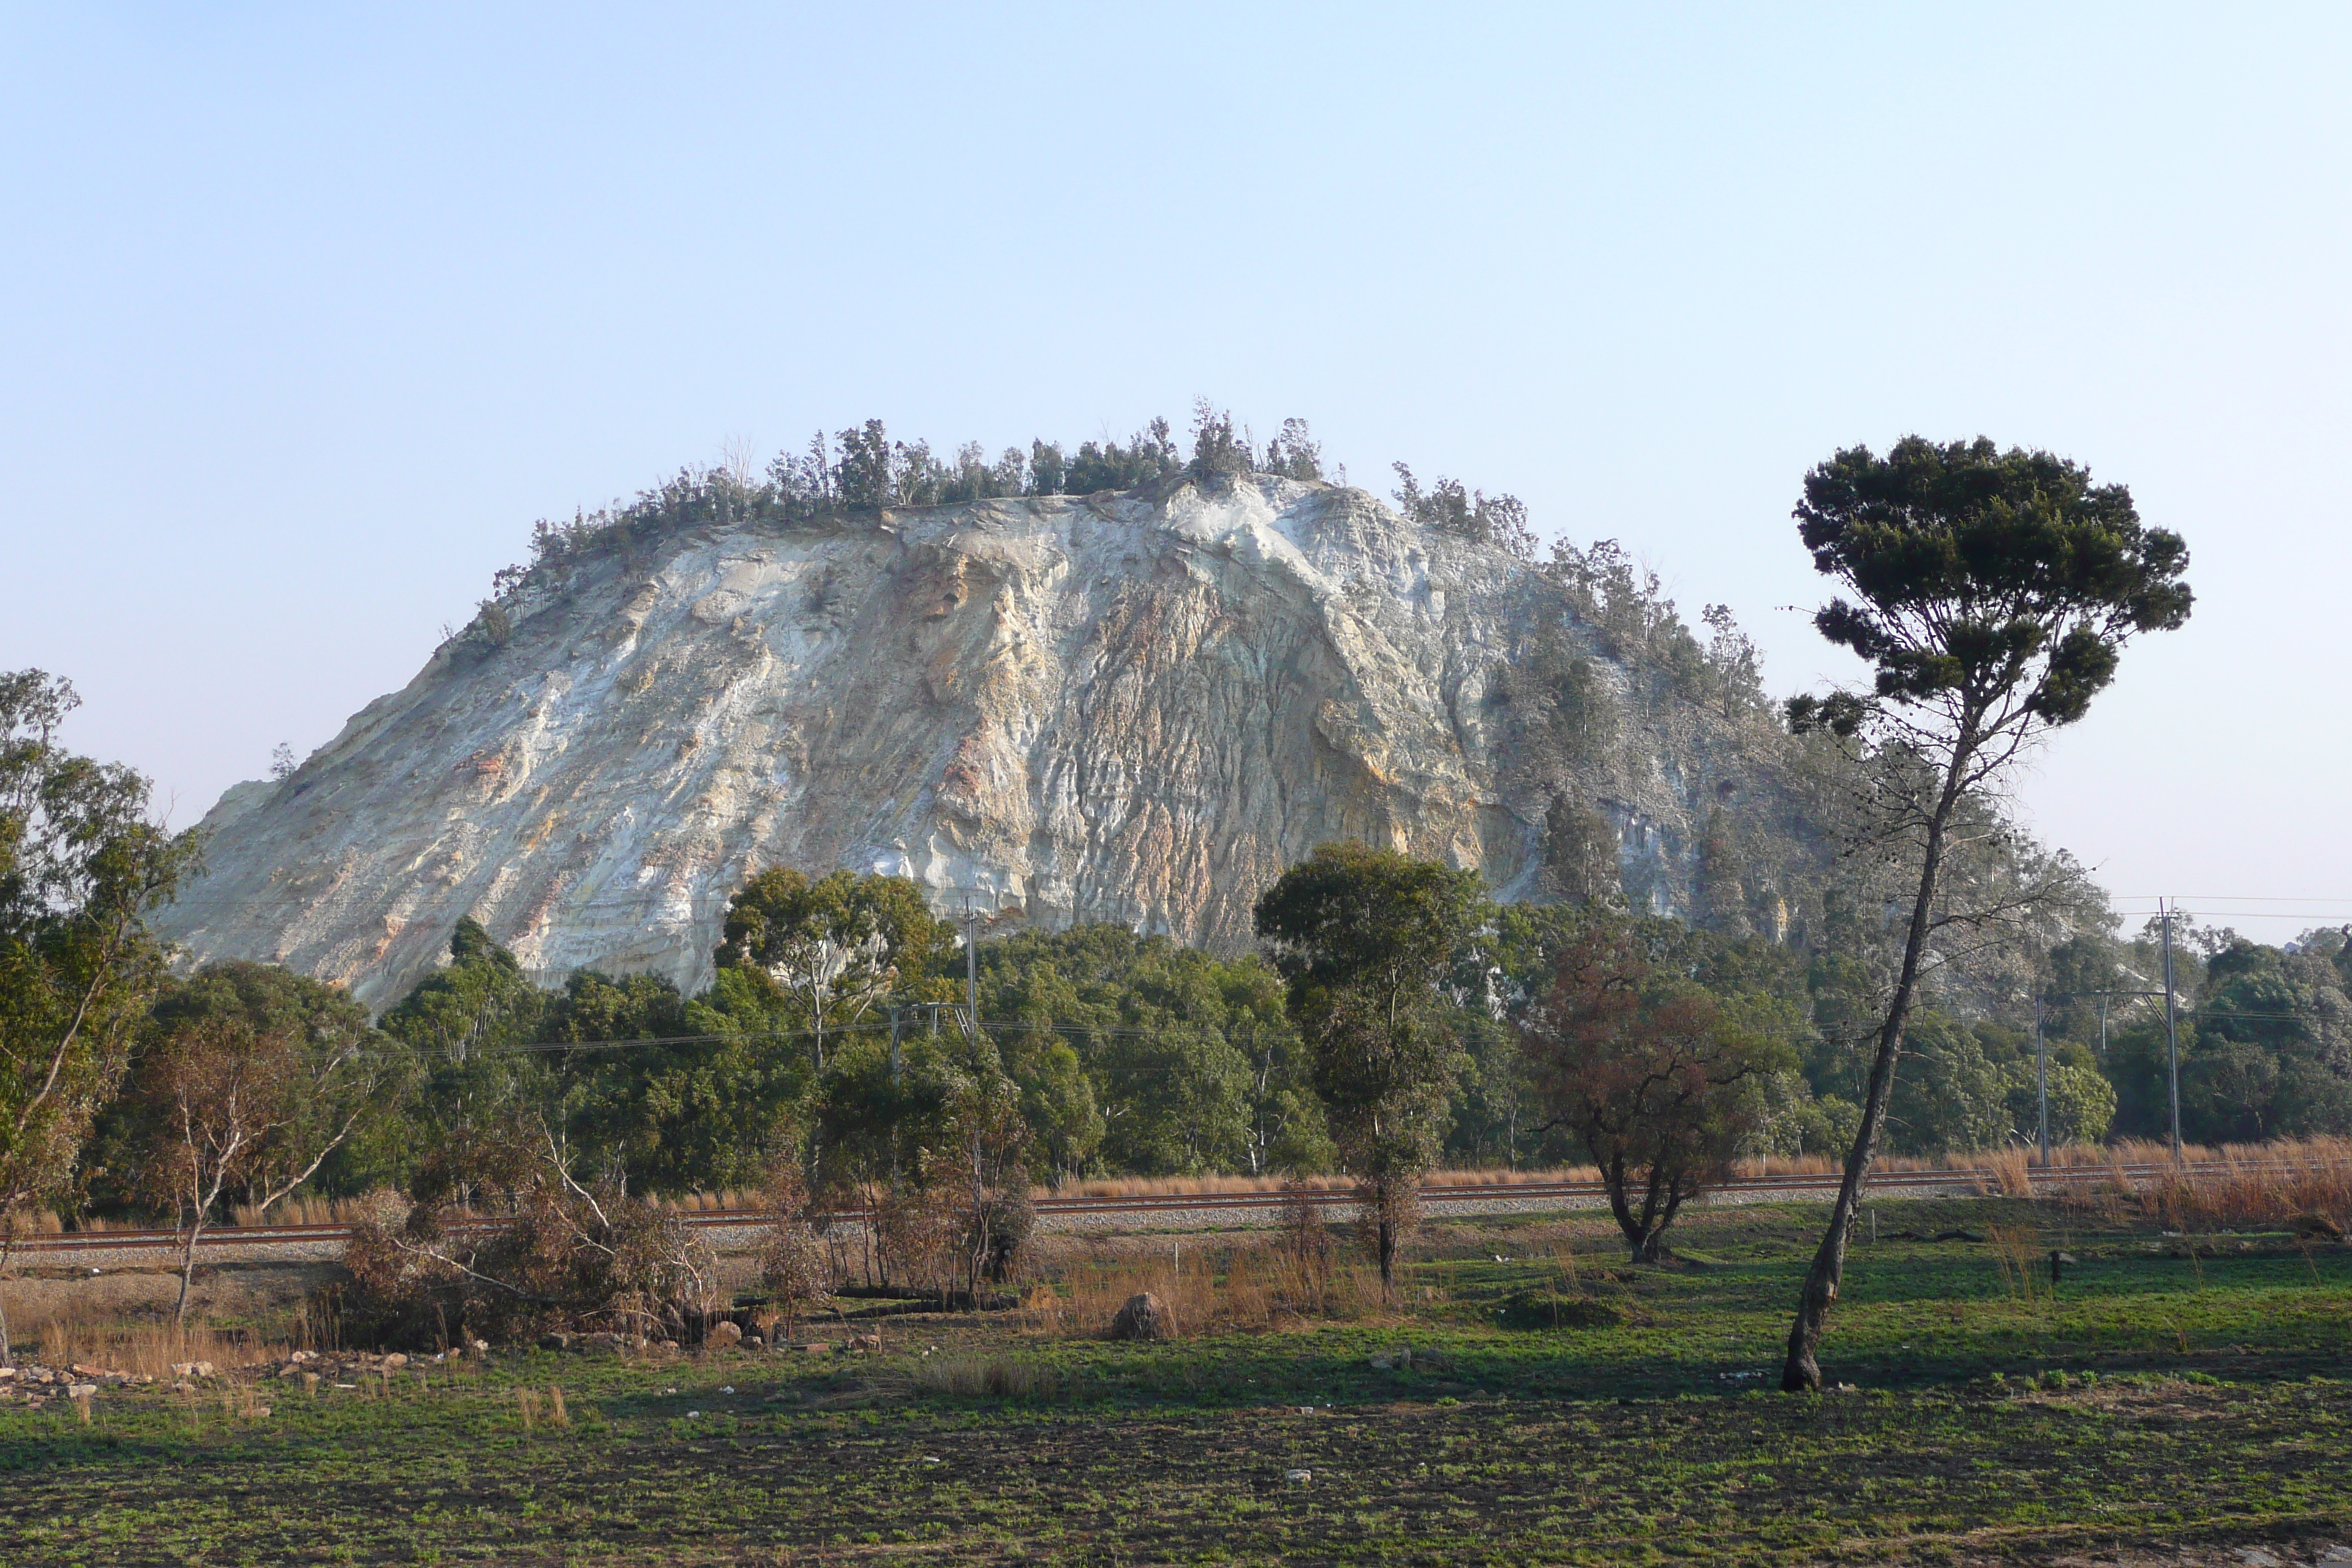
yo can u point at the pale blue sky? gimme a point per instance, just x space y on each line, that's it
306 313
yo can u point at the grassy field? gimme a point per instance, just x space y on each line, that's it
2171 1395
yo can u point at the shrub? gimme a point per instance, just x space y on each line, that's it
554 1255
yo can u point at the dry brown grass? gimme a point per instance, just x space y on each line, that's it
2269 1185
146 1348
318 1211
2023 1261
990 1377
1229 1287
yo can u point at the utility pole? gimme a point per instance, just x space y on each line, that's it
972 969
2103 1028
2171 1034
2041 1077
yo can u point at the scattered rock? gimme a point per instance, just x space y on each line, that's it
865 1344
2255 1557
1299 1478
555 1342
722 1334
183 1386
1144 1318
82 1391
299 1356
395 1359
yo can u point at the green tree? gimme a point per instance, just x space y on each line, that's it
1951 1093
834 948
1187 1061
651 1094
346 1080
469 1026
1366 940
1992 593
1218 446
81 865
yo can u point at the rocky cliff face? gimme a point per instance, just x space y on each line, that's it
1128 707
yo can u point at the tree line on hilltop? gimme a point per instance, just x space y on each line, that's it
861 470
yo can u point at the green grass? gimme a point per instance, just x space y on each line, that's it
1987 1427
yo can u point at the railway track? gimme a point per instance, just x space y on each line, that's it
1437 1198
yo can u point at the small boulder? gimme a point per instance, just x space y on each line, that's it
395 1359
555 1342
81 1391
722 1334
1144 1318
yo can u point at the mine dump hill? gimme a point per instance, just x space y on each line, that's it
1133 706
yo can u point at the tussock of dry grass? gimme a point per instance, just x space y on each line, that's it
990 1377
1238 1286
147 1349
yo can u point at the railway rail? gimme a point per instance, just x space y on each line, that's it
1436 1197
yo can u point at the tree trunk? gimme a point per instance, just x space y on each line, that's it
1388 1251
188 1270
1800 1371
8 1245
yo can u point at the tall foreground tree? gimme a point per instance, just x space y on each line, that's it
1367 938
1990 593
81 867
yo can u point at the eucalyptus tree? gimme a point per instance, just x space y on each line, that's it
1367 939
81 865
834 948
1991 592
